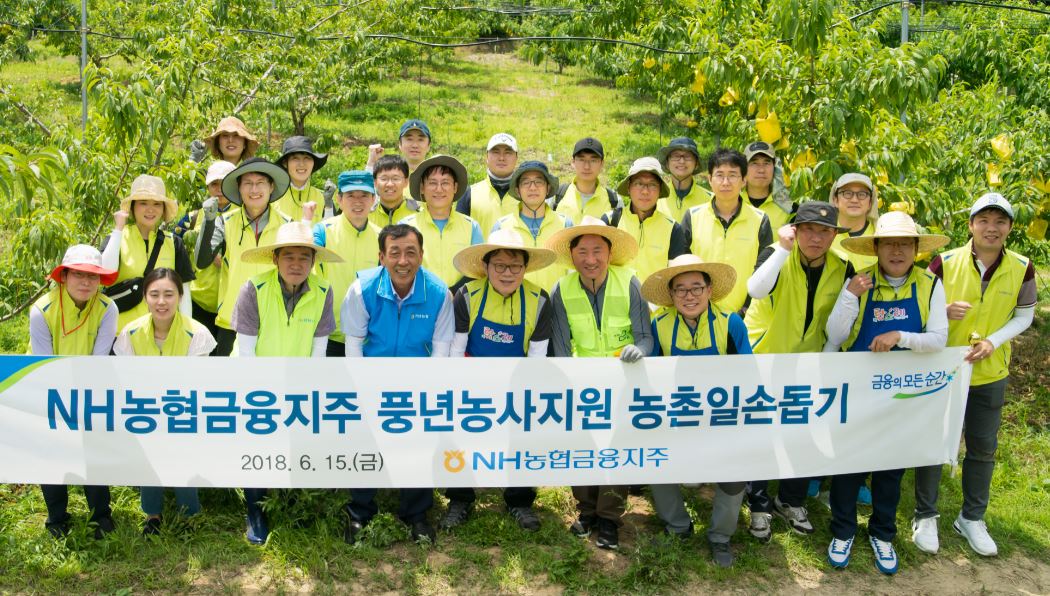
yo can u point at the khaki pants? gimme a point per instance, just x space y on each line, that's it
606 502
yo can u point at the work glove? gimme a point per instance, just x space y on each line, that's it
631 353
329 192
197 150
210 207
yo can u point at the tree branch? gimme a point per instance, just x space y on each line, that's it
28 114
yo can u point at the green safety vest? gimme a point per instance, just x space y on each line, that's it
736 246
570 205
359 249
440 246
486 206
775 323
204 289
883 291
686 341
379 216
552 222
777 216
616 331
859 262
281 334
134 254
676 208
654 240
504 310
82 324
239 238
291 204
177 343
990 310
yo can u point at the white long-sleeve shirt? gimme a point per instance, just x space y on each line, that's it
847 309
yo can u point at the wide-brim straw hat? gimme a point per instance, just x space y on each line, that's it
470 261
644 165
233 125
150 188
894 224
295 233
459 172
86 258
231 184
657 287
624 246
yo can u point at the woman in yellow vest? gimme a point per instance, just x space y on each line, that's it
681 159
793 292
253 186
353 237
729 230
128 249
286 311
690 324
659 237
231 141
500 314
300 161
439 182
164 331
599 311
532 184
892 305
75 319
855 197
991 294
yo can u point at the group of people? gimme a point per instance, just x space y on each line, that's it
519 265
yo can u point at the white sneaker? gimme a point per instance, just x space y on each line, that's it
976 533
839 551
885 555
797 518
760 526
924 534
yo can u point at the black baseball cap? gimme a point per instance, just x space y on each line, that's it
820 213
589 144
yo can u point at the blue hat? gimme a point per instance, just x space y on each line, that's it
414 124
356 180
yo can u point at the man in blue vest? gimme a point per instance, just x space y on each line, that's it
399 289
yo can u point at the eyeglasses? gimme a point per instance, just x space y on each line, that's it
390 179
849 195
681 157
726 177
503 268
532 183
682 292
645 185
443 185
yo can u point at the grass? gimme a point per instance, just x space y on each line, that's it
465 101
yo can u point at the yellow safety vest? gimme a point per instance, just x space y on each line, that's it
504 310
676 208
486 206
291 204
552 222
440 246
774 323
177 343
686 341
379 216
924 282
281 334
654 240
81 328
359 249
134 254
597 205
859 261
240 236
777 216
204 289
736 246
616 331
990 310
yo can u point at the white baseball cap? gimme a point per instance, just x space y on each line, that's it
993 200
502 139
218 170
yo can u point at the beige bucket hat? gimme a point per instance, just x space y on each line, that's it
233 125
657 290
295 233
150 188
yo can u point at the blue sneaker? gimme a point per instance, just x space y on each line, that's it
258 529
839 551
814 488
885 556
864 495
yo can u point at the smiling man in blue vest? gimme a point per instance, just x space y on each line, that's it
395 310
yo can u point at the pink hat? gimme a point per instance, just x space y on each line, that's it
82 257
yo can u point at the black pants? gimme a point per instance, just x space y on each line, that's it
413 507
885 495
336 349
513 496
792 492
224 339
56 497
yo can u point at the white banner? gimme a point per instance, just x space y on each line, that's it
417 422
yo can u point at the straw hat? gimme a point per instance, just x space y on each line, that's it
459 172
894 224
470 261
644 165
150 188
624 246
294 233
657 290
83 257
231 184
231 124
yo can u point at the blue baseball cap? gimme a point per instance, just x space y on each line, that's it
356 180
414 124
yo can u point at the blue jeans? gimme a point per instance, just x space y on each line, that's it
152 499
413 507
